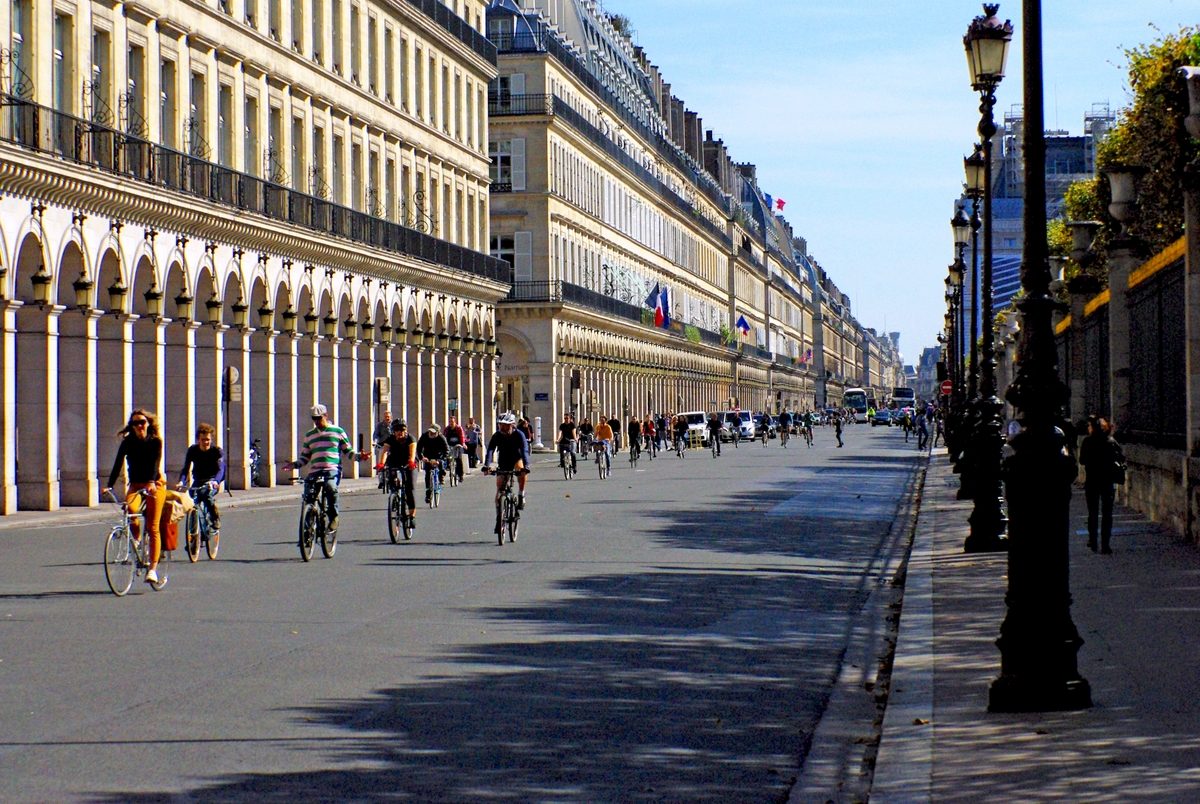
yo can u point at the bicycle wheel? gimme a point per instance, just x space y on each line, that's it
308 530
119 561
163 569
395 517
501 519
192 545
566 467
514 520
328 537
212 544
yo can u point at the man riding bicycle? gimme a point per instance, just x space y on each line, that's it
399 452
634 431
604 435
566 441
432 451
714 429
207 467
785 425
650 434
456 437
323 447
512 453
681 432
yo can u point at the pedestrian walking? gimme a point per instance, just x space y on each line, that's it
1104 467
474 437
837 429
939 430
922 431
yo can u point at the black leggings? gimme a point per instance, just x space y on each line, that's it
1100 506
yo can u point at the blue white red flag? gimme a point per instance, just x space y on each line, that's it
662 316
743 325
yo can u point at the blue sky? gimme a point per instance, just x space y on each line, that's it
858 115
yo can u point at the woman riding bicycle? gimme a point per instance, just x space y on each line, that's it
141 453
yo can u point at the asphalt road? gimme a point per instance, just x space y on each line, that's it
669 634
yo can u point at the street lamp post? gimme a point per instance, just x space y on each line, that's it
966 417
1038 640
986 43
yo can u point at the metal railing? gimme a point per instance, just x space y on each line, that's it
458 28
87 143
1157 358
501 187
504 105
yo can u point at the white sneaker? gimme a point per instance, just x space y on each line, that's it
151 576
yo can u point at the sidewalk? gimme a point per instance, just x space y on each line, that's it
1138 612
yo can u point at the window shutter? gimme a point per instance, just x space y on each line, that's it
516 83
523 256
518 164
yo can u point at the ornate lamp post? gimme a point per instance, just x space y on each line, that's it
977 173
1038 641
962 235
986 43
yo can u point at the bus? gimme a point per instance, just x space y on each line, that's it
855 400
903 398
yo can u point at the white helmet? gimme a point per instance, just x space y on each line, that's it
507 418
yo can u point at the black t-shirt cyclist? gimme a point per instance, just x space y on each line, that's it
566 431
398 445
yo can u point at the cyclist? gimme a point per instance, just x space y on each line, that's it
634 431
714 428
511 448
432 450
681 433
785 426
207 465
663 430
141 452
615 424
399 452
735 429
323 447
586 430
383 430
604 435
650 434
456 437
566 441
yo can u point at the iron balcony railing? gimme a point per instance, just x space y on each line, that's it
505 105
458 28
501 187
87 143
556 290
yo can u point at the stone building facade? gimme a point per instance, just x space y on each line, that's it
227 211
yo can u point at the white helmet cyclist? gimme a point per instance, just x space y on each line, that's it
507 418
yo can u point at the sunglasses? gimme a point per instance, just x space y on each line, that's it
138 423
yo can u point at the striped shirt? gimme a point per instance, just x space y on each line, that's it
321 448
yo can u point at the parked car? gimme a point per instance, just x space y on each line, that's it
697 423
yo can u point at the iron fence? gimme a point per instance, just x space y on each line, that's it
120 153
1157 381
1095 356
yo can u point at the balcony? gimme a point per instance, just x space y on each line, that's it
508 105
458 28
501 187
133 158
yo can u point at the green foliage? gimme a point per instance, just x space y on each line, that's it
726 335
621 24
1150 133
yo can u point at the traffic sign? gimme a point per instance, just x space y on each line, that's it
947 387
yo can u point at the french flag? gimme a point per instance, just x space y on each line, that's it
662 313
743 325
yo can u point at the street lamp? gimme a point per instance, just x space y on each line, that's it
1038 641
289 320
214 305
986 43
183 305
310 324
329 325
239 310
116 296
266 317
154 299
41 286
83 292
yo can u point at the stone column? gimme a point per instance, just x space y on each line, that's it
181 387
37 408
290 408
262 386
77 415
237 448
8 406
1122 260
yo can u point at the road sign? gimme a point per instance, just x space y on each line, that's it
947 387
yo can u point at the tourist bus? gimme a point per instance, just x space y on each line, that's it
855 400
903 398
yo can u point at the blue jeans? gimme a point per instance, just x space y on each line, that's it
607 452
331 489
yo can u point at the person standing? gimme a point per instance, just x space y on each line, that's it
837 429
474 437
1104 465
141 452
922 431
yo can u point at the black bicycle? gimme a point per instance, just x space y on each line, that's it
635 452
455 467
508 507
314 517
565 450
400 522
199 524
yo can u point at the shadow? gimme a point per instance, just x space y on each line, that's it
52 595
700 683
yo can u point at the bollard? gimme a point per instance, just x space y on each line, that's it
537 433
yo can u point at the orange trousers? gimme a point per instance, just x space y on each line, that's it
155 499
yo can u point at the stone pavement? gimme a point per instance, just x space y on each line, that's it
1138 612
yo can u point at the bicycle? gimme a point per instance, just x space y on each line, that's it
634 453
808 434
126 557
399 520
784 435
508 508
601 452
568 467
680 446
199 524
433 484
455 465
714 443
314 518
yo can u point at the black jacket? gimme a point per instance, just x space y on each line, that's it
1100 455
